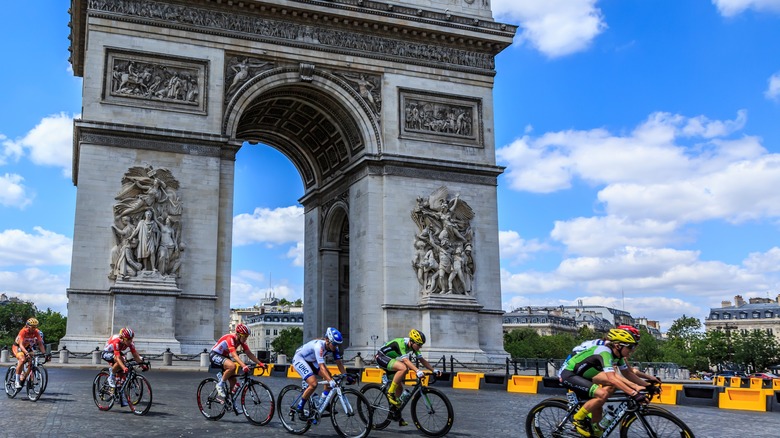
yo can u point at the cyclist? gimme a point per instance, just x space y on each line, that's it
395 357
24 344
591 375
223 355
113 353
309 361
642 375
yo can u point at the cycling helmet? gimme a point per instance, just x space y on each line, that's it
621 336
631 329
32 322
334 336
242 329
126 333
417 336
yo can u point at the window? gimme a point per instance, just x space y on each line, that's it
742 315
756 314
726 316
544 320
715 316
535 320
276 332
768 314
268 332
284 319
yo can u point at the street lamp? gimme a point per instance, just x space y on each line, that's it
374 338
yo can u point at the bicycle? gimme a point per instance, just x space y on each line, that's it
349 410
427 406
34 375
133 389
256 402
552 418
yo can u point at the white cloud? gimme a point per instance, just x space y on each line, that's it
44 289
274 227
248 288
513 247
554 27
773 89
45 248
12 192
730 8
11 150
50 143
599 236
297 254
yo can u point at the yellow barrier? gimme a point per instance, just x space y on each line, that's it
292 374
261 372
668 394
776 384
743 398
756 383
523 384
372 375
411 378
467 380
735 382
720 381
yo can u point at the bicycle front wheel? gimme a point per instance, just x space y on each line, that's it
139 395
34 384
351 414
379 404
258 402
549 419
291 419
10 382
432 412
102 394
210 406
654 423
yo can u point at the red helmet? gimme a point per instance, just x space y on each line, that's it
126 333
631 329
242 329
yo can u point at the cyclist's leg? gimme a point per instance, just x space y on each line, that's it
585 390
304 369
19 364
218 361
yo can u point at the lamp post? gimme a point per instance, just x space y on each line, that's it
374 338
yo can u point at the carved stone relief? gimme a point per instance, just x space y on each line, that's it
442 118
239 69
443 244
368 86
155 81
147 227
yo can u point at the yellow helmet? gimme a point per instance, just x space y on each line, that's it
32 322
417 337
621 336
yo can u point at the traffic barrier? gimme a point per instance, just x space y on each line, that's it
745 399
774 399
524 384
280 370
699 395
776 384
759 383
735 382
467 380
411 377
372 375
668 394
720 381
264 372
292 373
494 381
443 380
550 385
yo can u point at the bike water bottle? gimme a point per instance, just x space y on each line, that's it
609 415
235 387
324 397
405 395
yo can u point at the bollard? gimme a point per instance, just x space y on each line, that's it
167 358
281 359
64 355
359 362
204 360
96 357
4 356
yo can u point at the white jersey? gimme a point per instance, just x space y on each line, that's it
315 351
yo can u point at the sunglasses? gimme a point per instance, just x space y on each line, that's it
631 347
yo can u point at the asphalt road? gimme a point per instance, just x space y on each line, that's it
66 409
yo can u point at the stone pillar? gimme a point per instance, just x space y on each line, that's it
281 359
64 355
204 359
167 358
4 356
96 357
359 361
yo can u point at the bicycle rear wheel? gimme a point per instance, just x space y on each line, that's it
258 402
139 395
293 421
45 374
102 394
549 419
34 384
381 406
654 423
209 404
432 412
351 414
10 382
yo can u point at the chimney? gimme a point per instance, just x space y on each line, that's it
727 303
738 301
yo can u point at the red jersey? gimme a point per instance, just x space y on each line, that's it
227 344
115 345
28 337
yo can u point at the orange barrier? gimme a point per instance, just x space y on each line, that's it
735 382
467 380
776 384
523 384
372 375
411 378
668 394
756 383
743 399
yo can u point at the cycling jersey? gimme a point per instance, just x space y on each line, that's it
227 344
115 347
310 355
28 337
579 349
594 360
395 350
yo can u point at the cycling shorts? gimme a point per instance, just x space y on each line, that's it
581 386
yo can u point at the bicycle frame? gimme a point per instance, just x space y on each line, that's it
231 398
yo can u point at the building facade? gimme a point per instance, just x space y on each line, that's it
754 314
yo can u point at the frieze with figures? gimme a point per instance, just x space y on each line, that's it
141 79
299 34
443 244
442 118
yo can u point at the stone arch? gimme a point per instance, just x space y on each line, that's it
334 261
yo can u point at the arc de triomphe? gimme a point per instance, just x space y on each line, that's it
384 107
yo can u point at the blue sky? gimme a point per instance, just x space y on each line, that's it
640 140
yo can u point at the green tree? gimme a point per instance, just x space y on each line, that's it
649 348
717 347
287 341
585 333
53 325
12 318
755 349
684 345
523 343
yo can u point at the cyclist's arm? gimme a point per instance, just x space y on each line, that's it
425 363
254 358
632 376
615 380
340 364
236 358
324 372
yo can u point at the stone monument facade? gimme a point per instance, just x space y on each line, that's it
385 109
